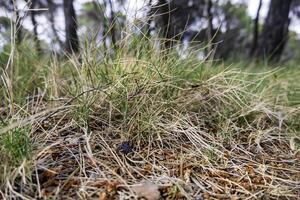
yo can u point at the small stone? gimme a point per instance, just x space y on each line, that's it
126 147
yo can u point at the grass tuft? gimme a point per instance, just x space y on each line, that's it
195 130
16 145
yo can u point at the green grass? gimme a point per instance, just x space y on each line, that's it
159 101
16 145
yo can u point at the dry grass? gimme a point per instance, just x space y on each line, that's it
97 128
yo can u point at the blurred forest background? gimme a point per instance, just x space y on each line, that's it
223 29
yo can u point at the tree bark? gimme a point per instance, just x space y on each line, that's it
72 41
256 30
275 30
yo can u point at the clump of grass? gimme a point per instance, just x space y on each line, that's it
193 129
16 145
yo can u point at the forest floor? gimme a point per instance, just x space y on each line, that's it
147 125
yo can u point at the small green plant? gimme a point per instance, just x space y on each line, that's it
16 145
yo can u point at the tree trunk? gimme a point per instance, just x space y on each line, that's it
35 26
256 30
209 29
275 30
72 41
52 22
149 20
165 11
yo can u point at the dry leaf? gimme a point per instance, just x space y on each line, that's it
147 190
103 196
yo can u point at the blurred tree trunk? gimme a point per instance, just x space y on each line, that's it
52 22
275 30
256 30
35 26
149 20
165 11
209 30
72 41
